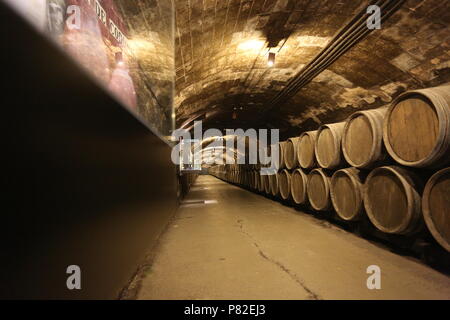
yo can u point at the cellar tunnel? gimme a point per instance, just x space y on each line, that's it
238 149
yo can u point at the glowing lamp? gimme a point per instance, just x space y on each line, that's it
271 60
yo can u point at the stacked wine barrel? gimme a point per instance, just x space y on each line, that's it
389 164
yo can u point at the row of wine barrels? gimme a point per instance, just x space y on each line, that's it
328 145
305 149
392 200
436 207
414 129
390 195
362 140
417 128
346 193
318 189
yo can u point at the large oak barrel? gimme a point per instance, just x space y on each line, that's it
436 207
306 149
392 200
346 193
299 182
266 180
256 180
319 189
261 184
249 179
274 184
284 184
290 153
417 128
362 140
328 145
281 152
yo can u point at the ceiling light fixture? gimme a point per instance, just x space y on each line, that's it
271 60
119 59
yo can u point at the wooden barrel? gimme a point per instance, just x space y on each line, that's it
362 140
281 159
416 130
299 182
346 193
262 182
248 179
274 184
256 180
392 200
319 189
267 189
290 153
306 149
436 207
328 145
284 181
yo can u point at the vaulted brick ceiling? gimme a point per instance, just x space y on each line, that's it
222 47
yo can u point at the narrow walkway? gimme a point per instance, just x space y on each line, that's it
239 245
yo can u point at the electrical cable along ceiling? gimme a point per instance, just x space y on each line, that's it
346 38
327 64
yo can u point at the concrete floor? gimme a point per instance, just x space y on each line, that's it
248 247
